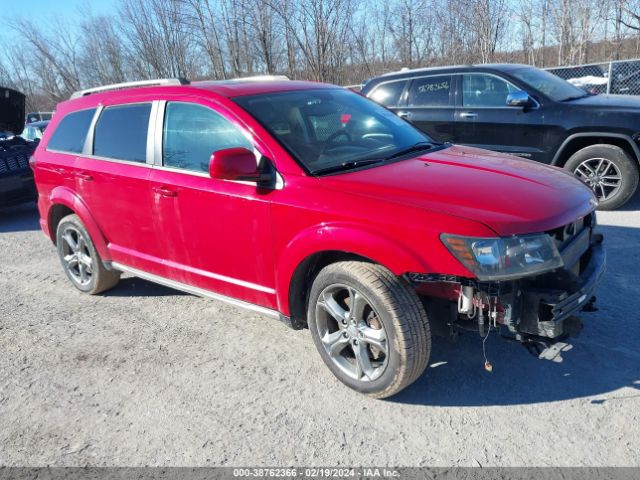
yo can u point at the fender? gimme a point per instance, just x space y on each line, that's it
67 197
622 136
344 237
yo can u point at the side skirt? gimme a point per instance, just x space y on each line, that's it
200 292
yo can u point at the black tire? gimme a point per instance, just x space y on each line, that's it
396 305
623 162
96 278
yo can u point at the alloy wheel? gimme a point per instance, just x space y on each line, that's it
76 255
602 175
351 332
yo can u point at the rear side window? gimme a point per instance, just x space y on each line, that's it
121 132
430 91
193 132
388 94
71 132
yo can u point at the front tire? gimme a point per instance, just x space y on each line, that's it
80 260
610 172
369 327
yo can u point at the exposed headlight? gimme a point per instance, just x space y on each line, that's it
500 258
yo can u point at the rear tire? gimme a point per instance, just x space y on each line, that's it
369 327
80 260
610 172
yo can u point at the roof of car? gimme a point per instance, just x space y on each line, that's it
41 123
224 88
240 87
411 72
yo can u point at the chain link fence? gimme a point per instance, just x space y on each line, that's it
617 78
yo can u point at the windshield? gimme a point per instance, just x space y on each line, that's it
329 130
552 86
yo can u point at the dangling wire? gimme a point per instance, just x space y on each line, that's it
487 364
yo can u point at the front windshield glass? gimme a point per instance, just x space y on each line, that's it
547 83
333 129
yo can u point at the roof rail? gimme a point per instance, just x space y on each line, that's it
122 86
258 78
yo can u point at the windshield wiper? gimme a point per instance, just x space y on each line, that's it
346 166
416 147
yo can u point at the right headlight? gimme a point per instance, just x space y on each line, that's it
500 258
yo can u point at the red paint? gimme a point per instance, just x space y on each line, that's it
245 242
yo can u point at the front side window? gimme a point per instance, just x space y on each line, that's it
333 129
483 90
71 132
430 91
193 132
121 132
388 94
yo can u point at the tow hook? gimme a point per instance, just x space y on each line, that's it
547 350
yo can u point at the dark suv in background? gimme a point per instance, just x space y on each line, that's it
527 112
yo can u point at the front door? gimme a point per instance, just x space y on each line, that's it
484 120
216 234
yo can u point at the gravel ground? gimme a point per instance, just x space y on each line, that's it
145 375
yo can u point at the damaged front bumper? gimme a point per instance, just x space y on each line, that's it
536 311
545 306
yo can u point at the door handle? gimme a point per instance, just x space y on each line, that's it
404 114
468 115
60 170
165 192
84 176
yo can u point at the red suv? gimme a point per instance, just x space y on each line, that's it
312 204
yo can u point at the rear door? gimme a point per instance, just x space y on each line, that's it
484 120
429 105
112 177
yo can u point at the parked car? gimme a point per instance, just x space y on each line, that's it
16 178
312 204
33 131
527 112
33 117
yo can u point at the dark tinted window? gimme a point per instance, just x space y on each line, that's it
480 90
71 132
388 94
430 92
193 132
121 132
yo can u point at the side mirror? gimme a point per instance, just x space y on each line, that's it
519 99
237 164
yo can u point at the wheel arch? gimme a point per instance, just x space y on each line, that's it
578 141
309 252
65 202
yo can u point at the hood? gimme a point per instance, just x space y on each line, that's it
12 105
507 194
607 101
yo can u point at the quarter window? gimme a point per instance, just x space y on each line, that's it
71 132
481 90
430 92
388 94
193 132
121 132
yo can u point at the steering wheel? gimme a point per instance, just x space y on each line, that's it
330 139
